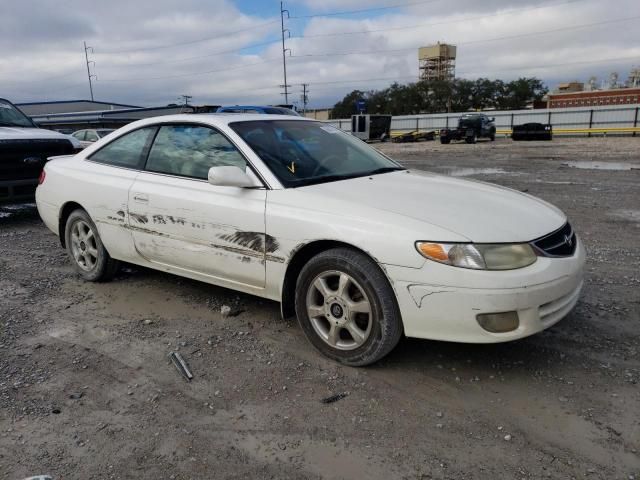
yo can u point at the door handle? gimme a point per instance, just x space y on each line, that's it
140 198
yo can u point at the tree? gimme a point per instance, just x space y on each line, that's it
348 105
459 95
518 93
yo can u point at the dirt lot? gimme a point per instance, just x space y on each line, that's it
86 390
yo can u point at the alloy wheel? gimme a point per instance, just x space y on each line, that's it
83 245
339 310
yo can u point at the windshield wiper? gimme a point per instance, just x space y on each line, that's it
335 178
325 179
385 170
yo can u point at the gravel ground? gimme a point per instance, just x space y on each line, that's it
86 390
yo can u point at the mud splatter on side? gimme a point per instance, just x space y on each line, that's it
270 244
139 218
258 242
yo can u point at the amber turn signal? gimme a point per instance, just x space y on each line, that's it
433 251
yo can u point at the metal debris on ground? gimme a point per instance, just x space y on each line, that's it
334 398
181 365
39 477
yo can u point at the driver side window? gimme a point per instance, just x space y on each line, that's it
191 150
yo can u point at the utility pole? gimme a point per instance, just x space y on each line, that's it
186 98
89 76
305 97
284 53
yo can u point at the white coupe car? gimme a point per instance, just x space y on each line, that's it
359 248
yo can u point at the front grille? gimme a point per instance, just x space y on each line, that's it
561 243
14 152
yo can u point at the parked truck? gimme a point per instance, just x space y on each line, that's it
471 127
24 149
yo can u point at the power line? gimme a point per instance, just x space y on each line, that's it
38 80
471 42
190 42
525 67
206 72
199 57
447 22
363 10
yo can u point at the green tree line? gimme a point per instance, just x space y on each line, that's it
459 95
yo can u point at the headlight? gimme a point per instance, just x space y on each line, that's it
479 256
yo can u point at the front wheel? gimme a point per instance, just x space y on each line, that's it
472 139
346 307
86 251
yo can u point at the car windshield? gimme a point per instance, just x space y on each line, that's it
10 116
303 153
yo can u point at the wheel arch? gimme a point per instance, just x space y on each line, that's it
298 260
65 211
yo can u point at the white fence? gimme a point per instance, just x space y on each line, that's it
622 119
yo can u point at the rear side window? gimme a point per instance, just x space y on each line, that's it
91 136
191 150
126 151
80 135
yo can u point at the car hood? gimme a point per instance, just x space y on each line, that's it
478 211
20 133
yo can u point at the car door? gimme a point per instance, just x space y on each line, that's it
180 220
80 136
90 137
103 188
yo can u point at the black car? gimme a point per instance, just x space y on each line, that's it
24 149
471 127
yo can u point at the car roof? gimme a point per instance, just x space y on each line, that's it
220 118
255 107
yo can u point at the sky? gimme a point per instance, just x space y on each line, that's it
225 52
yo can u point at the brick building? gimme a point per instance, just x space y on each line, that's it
594 98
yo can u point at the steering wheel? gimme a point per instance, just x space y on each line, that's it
325 162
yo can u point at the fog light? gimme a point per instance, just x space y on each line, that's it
498 322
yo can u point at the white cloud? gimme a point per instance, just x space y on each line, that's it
43 56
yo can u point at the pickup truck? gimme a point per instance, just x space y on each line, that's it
24 149
471 126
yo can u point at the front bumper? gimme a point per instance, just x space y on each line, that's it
440 302
17 191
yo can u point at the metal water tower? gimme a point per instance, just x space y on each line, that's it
437 62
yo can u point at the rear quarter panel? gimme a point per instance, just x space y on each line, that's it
101 190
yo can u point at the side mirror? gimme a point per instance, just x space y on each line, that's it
492 119
231 177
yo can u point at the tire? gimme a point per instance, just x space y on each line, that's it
367 307
472 139
445 141
492 136
85 249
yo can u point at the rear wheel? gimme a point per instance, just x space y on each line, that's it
445 141
472 139
346 307
86 251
